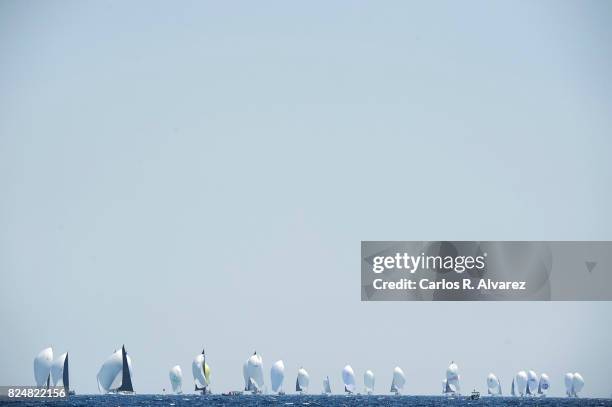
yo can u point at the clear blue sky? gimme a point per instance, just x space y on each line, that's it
185 174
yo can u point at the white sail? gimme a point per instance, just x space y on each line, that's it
368 381
201 372
245 374
452 379
42 367
569 380
57 370
521 383
326 385
544 384
493 385
110 376
176 379
577 384
109 371
348 377
303 379
399 379
255 376
277 375
532 383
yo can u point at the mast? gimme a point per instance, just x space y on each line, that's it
126 382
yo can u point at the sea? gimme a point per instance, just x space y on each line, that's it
301 401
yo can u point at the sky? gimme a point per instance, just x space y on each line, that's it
179 175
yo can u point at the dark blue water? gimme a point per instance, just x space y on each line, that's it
305 400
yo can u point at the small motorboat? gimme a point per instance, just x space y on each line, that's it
232 393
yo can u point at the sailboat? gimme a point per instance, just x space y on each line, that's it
42 367
513 388
532 383
368 381
326 386
493 385
176 379
521 383
573 384
398 381
451 384
302 381
543 385
201 373
348 378
60 374
253 374
115 375
277 376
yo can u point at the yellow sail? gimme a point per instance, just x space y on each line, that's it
206 369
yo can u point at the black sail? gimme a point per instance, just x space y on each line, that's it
527 391
126 383
448 388
297 385
66 376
